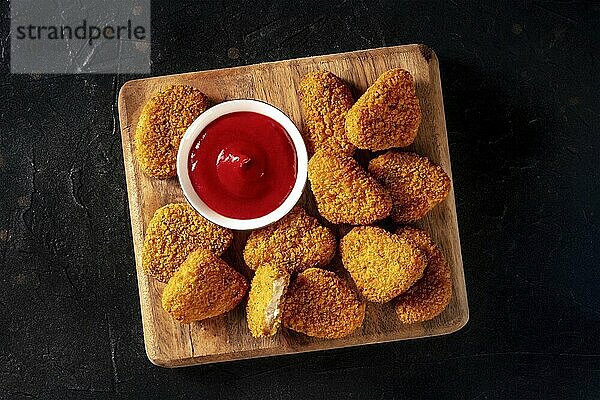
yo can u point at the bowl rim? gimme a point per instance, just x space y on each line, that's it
228 107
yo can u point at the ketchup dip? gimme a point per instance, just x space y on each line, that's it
243 165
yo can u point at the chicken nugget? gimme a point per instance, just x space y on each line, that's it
383 265
297 239
267 290
415 184
432 293
173 233
321 304
345 192
326 99
163 121
203 287
387 115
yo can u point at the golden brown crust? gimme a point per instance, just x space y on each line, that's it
267 290
344 191
432 293
297 239
163 121
415 184
387 115
381 264
173 233
320 304
326 100
203 287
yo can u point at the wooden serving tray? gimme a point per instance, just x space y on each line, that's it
224 338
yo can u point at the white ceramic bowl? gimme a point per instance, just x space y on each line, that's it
198 126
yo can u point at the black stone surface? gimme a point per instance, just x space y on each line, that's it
521 91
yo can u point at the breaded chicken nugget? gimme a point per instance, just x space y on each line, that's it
415 184
382 264
387 115
163 121
326 99
173 233
297 239
203 287
344 191
320 304
267 290
432 293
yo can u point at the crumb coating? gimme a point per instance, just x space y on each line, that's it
297 239
173 233
263 293
381 264
415 184
203 287
427 298
345 192
387 115
163 121
326 100
321 304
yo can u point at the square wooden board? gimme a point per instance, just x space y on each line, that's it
224 338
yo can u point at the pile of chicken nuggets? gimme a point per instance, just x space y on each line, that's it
297 283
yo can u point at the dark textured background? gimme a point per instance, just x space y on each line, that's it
521 89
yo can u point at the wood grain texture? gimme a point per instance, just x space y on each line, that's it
227 337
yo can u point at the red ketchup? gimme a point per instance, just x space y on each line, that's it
243 165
